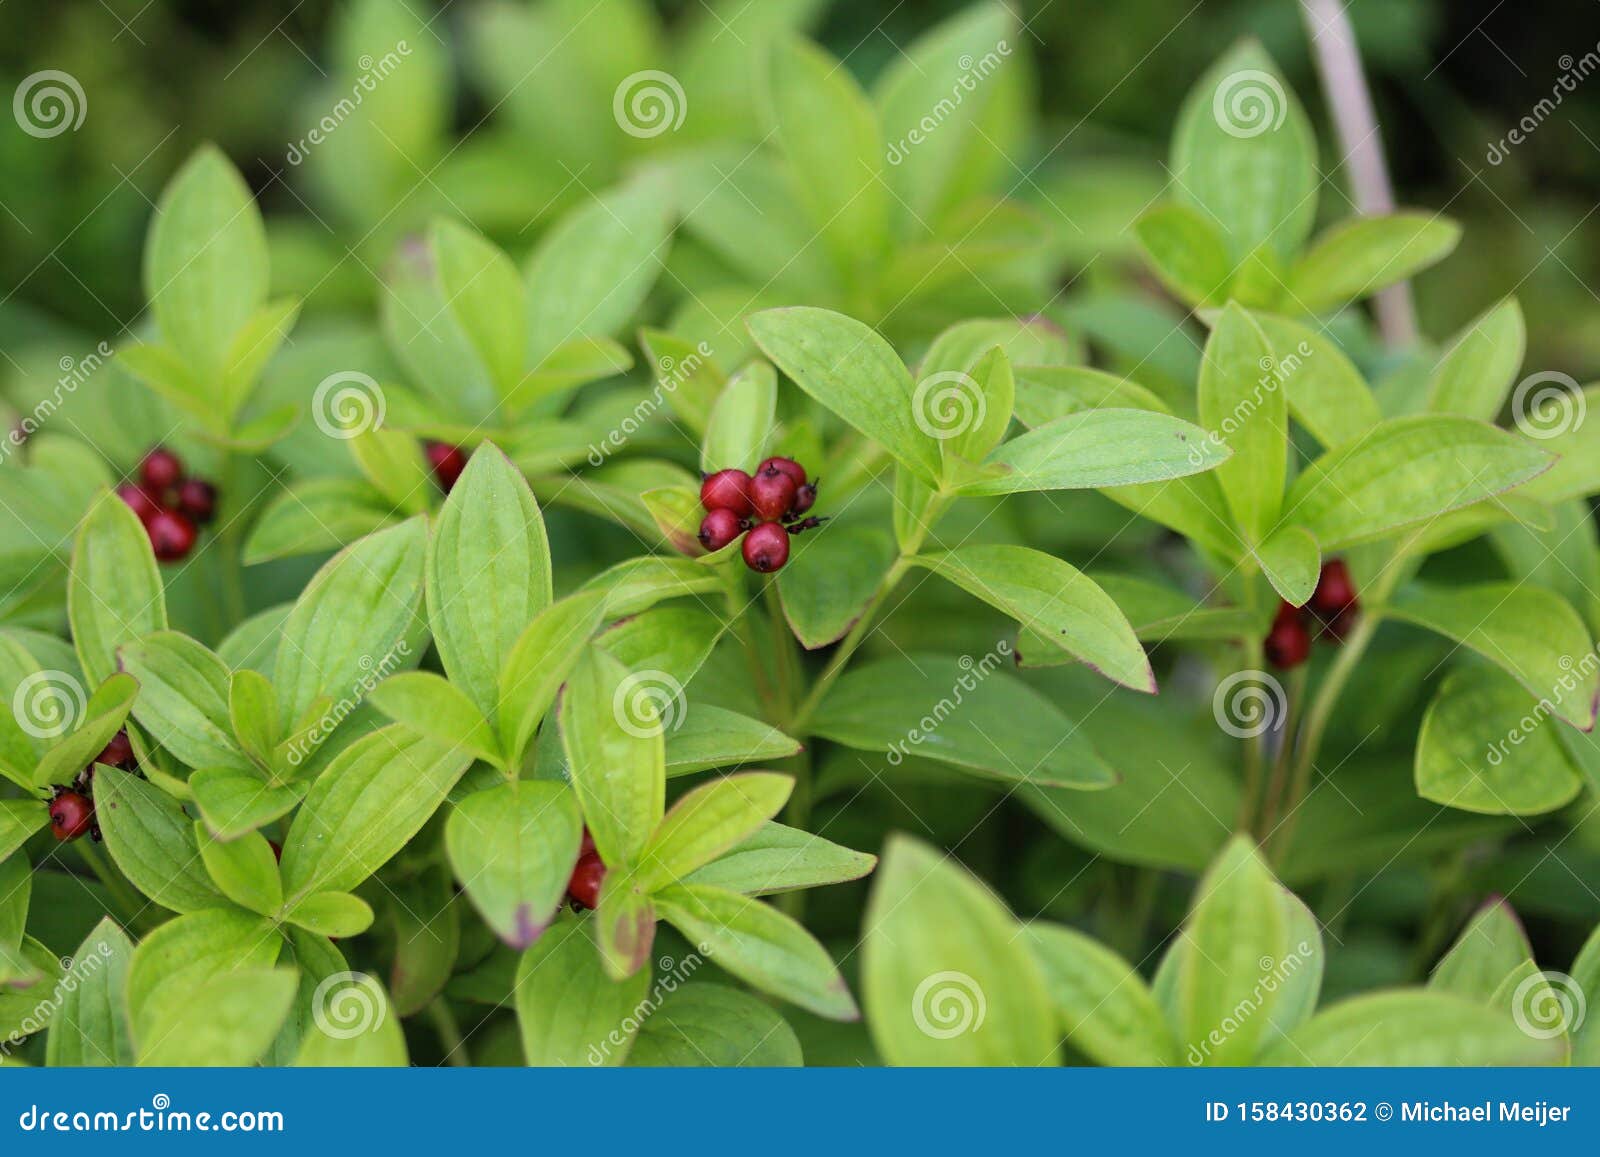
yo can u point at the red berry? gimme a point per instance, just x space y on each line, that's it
447 461
71 815
586 845
171 534
1288 643
117 753
719 528
587 876
139 500
805 497
766 547
1336 591
197 499
788 465
161 470
772 493
726 490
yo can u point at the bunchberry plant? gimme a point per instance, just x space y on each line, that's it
719 615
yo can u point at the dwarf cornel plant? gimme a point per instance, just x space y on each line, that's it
403 673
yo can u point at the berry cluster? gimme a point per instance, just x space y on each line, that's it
171 505
771 505
72 808
583 889
1332 608
447 461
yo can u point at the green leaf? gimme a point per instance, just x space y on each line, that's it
393 462
1098 448
245 869
1486 747
957 711
488 573
176 959
1187 252
854 372
227 1021
1053 600
513 848
570 1012
428 703
710 737
1234 942
1410 1027
372 1038
687 372
183 698
716 1027
640 583
332 914
1105 1007
90 1028
1243 153
1556 420
740 422
369 801
235 802
16 893
315 515
625 925
1477 369
253 714
486 298
781 859
19 819
828 132
1327 394
1157 612
102 718
829 580
153 842
114 594
539 662
759 945
709 820
1530 632
1586 973
946 977
205 263
1361 255
355 618
670 642
1490 948
253 346
1405 471
613 739
1292 563
1243 407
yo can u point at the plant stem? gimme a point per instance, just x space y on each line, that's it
1254 752
1293 696
128 902
449 1031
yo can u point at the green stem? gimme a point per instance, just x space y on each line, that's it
1272 805
1254 753
449 1031
129 904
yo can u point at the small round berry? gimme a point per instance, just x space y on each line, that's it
197 499
139 500
171 535
1288 643
766 547
805 497
117 753
447 461
71 815
788 465
772 493
586 844
1336 590
719 528
587 876
161 470
726 490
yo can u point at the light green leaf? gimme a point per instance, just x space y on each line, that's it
1097 448
153 842
114 593
1361 255
1410 1027
687 373
640 583
102 718
570 1012
1187 252
830 578
710 737
539 662
1242 404
1327 394
486 297
1292 563
315 515
381 1044
253 714
183 698
513 848
227 1020
253 346
1556 421
428 703
613 739
332 914
741 421
716 1027
19 819
175 960
245 869
235 802
781 859
1490 948
90 1029
1105 1007
709 820
625 925
1477 370
393 462
670 642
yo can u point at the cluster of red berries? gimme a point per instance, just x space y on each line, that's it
447 462
583 889
770 505
72 808
171 505
1332 609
